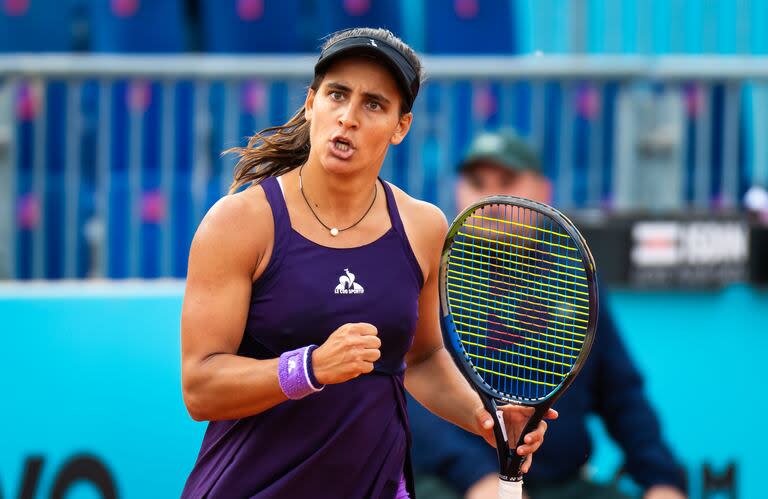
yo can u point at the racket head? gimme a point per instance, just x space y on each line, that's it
518 299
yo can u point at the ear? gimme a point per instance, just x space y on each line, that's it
547 190
403 125
465 194
308 103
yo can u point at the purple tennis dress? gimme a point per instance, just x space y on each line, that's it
350 440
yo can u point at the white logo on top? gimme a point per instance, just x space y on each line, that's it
291 365
347 285
373 43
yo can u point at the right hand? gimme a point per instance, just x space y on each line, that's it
348 352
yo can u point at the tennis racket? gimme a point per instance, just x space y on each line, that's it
518 301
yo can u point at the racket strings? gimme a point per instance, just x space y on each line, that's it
540 318
518 224
508 342
510 319
524 238
584 294
552 271
519 339
578 309
501 293
520 305
512 247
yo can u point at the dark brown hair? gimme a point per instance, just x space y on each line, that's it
279 149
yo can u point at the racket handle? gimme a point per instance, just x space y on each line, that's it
510 490
516 460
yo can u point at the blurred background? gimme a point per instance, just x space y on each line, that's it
651 117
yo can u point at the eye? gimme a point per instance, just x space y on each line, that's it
508 179
476 181
336 95
373 105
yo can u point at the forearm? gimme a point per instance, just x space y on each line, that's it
440 448
439 386
228 386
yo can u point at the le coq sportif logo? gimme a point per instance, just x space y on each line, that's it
347 285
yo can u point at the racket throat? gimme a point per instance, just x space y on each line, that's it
500 418
510 462
505 462
502 440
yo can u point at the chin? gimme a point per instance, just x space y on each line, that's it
338 166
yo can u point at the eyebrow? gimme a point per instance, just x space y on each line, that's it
371 95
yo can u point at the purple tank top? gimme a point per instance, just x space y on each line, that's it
350 440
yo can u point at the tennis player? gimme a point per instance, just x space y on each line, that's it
311 299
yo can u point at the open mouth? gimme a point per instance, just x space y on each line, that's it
341 145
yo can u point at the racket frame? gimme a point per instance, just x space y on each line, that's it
509 461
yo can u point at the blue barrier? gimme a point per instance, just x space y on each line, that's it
94 369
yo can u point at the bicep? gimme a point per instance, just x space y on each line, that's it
214 309
427 338
218 290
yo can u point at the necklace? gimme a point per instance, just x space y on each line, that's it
334 230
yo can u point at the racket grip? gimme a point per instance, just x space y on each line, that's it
516 460
510 490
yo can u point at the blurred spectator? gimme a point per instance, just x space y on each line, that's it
450 462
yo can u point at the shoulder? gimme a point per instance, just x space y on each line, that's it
425 216
237 229
234 215
425 225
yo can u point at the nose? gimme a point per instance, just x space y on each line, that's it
348 118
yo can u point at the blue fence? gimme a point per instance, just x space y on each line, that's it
94 370
110 162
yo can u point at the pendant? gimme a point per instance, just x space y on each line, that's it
334 232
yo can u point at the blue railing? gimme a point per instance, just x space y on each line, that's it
108 163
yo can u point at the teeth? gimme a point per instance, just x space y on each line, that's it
341 146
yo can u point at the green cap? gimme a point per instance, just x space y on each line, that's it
505 148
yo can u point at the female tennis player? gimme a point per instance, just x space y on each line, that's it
318 250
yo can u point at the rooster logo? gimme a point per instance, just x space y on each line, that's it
347 285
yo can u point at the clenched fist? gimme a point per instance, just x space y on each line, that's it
348 352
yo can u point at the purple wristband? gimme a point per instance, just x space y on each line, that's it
293 373
311 371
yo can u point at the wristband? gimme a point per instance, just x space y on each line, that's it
293 373
310 370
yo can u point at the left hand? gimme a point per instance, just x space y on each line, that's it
515 417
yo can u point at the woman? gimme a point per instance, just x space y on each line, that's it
319 251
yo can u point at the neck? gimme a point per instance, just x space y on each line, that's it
340 198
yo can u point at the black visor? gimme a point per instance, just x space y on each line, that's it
406 76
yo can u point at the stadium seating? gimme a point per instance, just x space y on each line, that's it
21 25
250 25
23 21
137 26
469 27
335 15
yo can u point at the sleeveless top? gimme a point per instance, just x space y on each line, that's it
351 440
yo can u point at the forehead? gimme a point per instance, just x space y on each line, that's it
487 167
364 74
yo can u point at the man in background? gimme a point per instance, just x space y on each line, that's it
450 462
